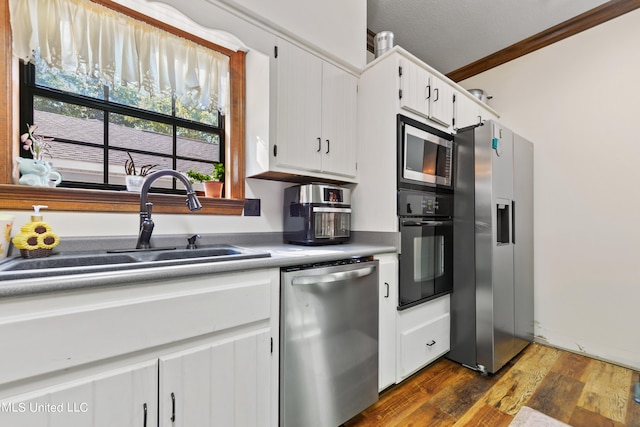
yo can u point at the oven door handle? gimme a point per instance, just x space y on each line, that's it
411 223
315 279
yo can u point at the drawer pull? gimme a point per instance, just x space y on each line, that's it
432 343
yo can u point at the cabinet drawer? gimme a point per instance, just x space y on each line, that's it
423 344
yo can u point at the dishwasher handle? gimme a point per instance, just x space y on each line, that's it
338 276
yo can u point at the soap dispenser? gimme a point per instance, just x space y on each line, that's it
36 239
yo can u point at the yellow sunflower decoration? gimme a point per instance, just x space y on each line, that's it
36 239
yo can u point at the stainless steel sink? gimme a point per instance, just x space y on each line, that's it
78 262
68 261
198 253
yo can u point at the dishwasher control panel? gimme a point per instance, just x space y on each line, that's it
346 261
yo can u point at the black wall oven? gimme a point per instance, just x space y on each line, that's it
426 235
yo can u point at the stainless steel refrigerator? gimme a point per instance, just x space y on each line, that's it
492 299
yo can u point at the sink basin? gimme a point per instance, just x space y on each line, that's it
68 261
197 253
76 263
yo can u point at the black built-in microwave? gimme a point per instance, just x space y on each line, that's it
425 155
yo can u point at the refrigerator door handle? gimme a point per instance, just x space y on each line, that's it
513 222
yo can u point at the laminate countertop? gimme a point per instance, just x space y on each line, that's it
281 255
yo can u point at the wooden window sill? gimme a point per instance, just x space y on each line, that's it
23 197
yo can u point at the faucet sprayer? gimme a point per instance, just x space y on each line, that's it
146 223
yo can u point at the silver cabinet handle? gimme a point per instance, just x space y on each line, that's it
432 343
319 145
332 277
387 285
427 90
437 91
328 147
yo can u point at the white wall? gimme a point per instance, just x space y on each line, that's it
338 28
579 102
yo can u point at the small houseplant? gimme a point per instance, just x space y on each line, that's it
36 144
36 171
212 182
135 177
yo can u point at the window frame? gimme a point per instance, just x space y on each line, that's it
22 197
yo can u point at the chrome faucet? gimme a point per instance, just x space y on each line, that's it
146 223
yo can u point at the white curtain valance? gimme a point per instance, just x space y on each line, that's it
96 41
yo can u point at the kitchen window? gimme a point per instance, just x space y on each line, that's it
97 128
174 136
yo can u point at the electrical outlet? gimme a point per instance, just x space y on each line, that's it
252 207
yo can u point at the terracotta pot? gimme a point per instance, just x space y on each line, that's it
213 188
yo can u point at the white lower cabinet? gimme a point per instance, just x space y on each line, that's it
121 397
223 384
388 306
199 347
412 338
423 335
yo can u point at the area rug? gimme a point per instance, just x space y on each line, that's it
527 417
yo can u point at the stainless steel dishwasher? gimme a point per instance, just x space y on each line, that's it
329 342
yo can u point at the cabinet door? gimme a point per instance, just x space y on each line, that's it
387 327
441 98
125 397
223 384
466 112
339 116
414 84
299 100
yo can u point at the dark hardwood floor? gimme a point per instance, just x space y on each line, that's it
574 389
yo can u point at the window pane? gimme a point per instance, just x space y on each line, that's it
190 111
194 144
131 96
139 134
62 120
78 162
67 80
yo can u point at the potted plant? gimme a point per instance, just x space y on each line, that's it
36 171
135 178
212 182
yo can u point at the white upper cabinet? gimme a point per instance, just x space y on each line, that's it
414 88
466 112
425 94
441 100
339 106
315 116
469 112
299 107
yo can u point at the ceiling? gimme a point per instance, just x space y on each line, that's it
449 34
